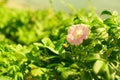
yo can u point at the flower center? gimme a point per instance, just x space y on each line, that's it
79 33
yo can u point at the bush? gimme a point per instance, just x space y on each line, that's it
33 45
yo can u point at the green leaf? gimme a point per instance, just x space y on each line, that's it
105 69
111 22
5 78
87 42
38 71
106 12
98 47
86 75
98 66
19 51
93 57
39 44
18 76
49 45
68 73
47 42
52 49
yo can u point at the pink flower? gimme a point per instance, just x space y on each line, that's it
77 33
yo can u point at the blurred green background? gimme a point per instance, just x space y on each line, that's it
58 4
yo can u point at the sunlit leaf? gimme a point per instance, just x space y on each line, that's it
49 44
38 71
93 57
98 66
5 78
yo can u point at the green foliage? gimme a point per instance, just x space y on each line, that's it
33 45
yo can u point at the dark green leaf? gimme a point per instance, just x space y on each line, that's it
106 12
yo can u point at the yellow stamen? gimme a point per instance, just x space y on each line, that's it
79 33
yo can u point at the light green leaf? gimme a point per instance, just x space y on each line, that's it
93 57
39 44
52 49
67 73
5 78
47 42
98 66
38 71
